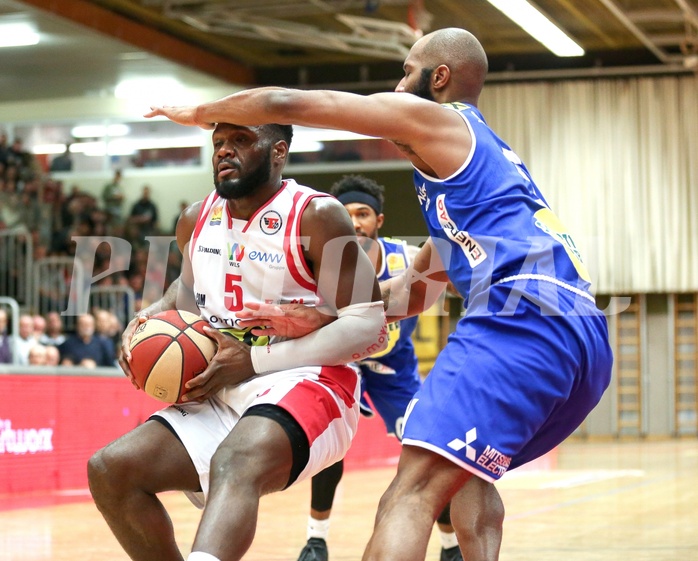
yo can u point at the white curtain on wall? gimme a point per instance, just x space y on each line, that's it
618 162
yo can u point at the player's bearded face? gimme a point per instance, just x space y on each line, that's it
422 87
246 182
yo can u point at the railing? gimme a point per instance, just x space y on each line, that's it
53 278
13 315
121 300
16 255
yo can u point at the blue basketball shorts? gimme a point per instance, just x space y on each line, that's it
390 390
508 388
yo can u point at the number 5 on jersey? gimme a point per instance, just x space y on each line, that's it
233 292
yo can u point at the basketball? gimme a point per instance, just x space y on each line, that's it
167 351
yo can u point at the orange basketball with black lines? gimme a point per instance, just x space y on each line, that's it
167 351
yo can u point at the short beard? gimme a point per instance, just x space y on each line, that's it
423 89
367 243
245 185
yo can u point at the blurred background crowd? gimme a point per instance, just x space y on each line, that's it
39 221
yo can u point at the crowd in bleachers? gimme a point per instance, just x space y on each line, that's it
42 340
53 215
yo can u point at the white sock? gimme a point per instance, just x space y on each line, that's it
448 539
317 528
201 556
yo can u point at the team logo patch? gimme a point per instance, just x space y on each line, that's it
270 222
216 216
396 263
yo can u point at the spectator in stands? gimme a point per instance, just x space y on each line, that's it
48 217
3 148
137 282
26 339
37 355
107 325
53 356
18 156
54 330
39 327
85 348
9 199
144 215
5 341
113 198
63 162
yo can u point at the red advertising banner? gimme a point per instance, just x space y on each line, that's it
50 425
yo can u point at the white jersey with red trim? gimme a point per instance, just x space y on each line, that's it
257 260
261 260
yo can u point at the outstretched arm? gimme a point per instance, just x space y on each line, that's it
435 139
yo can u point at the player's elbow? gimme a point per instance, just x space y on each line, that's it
378 345
371 332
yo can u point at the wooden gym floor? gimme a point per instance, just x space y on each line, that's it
605 501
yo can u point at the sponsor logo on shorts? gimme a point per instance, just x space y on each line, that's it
490 459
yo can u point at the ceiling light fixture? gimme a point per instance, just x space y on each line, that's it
151 89
98 131
17 35
531 20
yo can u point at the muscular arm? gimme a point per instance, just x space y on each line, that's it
418 288
435 139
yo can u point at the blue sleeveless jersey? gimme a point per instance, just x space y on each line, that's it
391 378
514 380
490 223
400 352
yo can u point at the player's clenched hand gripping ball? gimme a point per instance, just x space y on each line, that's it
167 351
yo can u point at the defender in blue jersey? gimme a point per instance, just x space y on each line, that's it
390 378
530 358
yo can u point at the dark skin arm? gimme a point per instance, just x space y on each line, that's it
418 288
434 139
406 295
342 271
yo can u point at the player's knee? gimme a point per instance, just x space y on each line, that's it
232 460
242 465
105 473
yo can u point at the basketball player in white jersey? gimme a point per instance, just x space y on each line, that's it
265 413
